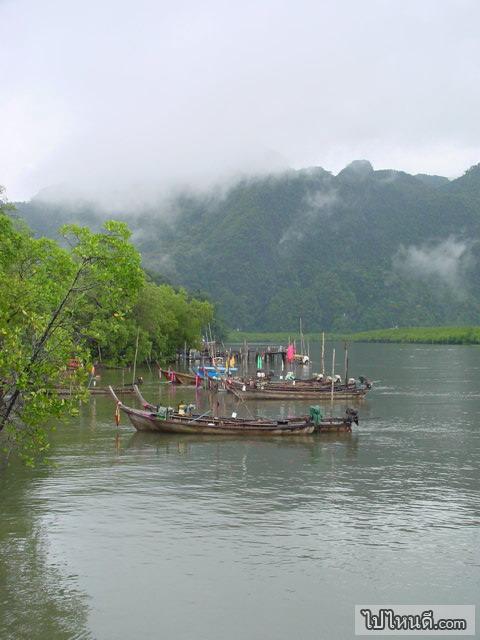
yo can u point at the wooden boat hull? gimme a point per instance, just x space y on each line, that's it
103 391
298 389
185 378
142 421
178 377
296 394
214 373
98 391
148 420
334 425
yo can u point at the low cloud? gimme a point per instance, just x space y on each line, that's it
315 205
388 176
121 101
291 235
321 202
446 262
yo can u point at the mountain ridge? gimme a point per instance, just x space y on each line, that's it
362 249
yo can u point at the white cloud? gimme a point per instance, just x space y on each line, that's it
291 236
321 202
445 261
116 98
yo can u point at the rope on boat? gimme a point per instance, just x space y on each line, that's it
198 417
240 399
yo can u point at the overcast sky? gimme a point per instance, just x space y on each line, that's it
123 96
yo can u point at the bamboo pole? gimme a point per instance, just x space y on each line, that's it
346 363
333 377
136 354
323 353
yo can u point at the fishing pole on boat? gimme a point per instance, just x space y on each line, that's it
198 417
240 399
246 407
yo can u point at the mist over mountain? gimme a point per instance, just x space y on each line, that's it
358 250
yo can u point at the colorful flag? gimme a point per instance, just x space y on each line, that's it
290 353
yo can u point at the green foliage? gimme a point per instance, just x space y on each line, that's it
424 335
59 302
321 247
51 300
166 319
111 284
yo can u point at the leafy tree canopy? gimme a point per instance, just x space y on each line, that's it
72 301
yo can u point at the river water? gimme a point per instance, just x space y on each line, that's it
124 535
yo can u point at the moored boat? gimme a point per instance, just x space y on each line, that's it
166 420
295 389
177 377
214 373
98 391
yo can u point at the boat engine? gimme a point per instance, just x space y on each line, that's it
365 382
352 415
315 414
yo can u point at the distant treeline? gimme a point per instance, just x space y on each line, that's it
425 335
422 335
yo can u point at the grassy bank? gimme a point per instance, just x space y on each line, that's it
421 335
425 335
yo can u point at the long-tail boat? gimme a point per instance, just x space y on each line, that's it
361 383
166 420
217 372
177 377
127 389
200 374
97 391
294 389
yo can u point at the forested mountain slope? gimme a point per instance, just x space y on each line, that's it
360 250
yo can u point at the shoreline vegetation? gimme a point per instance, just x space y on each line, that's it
69 303
401 335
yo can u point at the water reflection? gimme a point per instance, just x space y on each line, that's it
39 598
286 533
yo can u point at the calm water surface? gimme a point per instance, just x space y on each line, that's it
130 535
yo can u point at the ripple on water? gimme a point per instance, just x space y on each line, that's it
152 529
